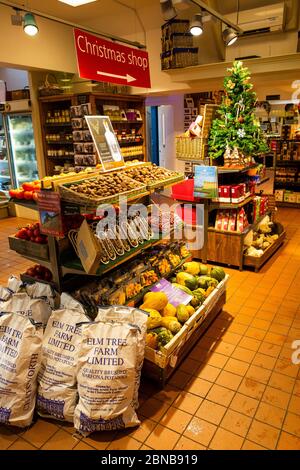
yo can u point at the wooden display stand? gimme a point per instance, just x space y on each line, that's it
97 101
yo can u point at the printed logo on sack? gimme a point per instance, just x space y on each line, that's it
296 354
135 224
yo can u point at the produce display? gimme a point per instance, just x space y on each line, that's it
105 185
123 285
32 233
257 242
40 273
150 174
165 320
27 191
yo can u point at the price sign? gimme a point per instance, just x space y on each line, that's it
105 141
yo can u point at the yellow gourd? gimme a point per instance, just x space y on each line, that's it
155 300
154 319
190 309
152 340
169 311
171 323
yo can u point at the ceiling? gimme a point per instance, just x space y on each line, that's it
92 13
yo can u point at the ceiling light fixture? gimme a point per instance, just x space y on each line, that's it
196 25
76 3
30 27
167 10
229 36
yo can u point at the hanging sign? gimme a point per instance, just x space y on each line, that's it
107 61
105 141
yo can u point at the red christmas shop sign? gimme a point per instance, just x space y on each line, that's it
107 61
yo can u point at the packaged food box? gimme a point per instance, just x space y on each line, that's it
286 196
279 193
225 221
219 218
293 197
232 221
298 197
224 196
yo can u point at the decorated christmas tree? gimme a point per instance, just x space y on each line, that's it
236 131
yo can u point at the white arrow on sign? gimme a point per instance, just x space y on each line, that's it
126 77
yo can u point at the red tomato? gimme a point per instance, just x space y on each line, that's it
13 192
35 196
19 194
28 186
28 195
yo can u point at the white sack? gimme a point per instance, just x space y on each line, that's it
20 348
57 391
37 309
109 359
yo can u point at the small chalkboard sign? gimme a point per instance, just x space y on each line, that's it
105 141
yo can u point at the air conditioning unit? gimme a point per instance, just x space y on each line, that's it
267 19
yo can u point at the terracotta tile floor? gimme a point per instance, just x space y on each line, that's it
238 389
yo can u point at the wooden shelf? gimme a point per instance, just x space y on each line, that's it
224 170
231 205
58 124
96 100
63 142
295 205
125 144
30 204
247 229
283 185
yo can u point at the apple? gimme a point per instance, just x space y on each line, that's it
30 272
39 239
36 232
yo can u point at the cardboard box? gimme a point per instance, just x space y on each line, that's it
293 197
88 249
279 195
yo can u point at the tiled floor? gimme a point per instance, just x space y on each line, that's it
238 388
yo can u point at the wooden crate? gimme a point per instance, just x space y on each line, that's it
257 262
159 365
27 248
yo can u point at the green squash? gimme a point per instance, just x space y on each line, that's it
217 273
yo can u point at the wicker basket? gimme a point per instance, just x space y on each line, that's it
81 199
190 149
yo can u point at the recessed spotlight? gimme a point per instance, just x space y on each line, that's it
30 27
196 25
229 36
76 3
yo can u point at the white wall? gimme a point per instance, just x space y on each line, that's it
14 79
177 101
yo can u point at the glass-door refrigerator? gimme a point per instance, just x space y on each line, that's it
20 147
5 172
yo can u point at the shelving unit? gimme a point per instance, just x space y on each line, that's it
98 102
287 172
